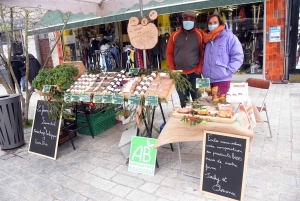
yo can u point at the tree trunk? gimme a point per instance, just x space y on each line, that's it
28 94
5 84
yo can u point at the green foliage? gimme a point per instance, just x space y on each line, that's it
61 76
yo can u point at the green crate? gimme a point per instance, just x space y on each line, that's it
99 122
96 116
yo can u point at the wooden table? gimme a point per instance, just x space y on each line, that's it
176 130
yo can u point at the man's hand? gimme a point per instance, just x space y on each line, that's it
197 73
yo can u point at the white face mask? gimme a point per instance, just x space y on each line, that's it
212 27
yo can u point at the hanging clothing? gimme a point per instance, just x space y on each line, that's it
132 58
115 53
104 63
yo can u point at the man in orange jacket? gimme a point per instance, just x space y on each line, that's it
185 52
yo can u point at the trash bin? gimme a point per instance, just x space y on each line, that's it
11 125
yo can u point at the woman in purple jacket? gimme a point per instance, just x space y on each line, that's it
223 54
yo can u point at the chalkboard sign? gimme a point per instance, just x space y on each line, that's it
67 97
224 164
134 100
97 98
107 98
75 97
118 99
151 100
134 71
202 83
85 97
46 88
44 133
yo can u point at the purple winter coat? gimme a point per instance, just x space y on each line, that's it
222 57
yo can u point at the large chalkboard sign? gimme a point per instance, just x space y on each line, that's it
224 164
45 132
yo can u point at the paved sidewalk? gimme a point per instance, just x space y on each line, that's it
97 169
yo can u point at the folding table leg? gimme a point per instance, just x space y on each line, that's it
70 138
164 118
180 164
268 123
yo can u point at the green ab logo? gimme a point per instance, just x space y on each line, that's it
142 155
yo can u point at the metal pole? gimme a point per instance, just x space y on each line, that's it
144 51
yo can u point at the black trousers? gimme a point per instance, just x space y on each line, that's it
185 96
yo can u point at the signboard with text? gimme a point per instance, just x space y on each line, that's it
275 34
45 132
142 157
202 83
224 164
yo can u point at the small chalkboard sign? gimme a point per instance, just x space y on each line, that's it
45 132
67 97
134 100
224 164
107 98
75 97
97 98
134 71
85 97
151 100
46 88
118 99
202 83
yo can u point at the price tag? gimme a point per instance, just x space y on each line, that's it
118 99
134 71
202 83
75 97
107 98
67 97
46 88
97 98
151 100
85 97
134 100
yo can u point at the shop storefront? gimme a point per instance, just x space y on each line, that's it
250 21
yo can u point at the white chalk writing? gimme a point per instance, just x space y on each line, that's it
218 187
209 167
231 143
230 149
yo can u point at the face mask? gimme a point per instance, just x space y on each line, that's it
188 25
212 27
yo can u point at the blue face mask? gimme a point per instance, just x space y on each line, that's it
188 25
212 27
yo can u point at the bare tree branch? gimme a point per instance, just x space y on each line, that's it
57 40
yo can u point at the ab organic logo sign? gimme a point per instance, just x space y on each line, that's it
142 155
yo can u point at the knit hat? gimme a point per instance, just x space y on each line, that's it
189 13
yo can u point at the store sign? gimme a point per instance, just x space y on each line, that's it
67 97
97 98
142 157
75 97
107 98
118 99
134 100
275 34
134 71
46 88
202 83
224 164
85 98
151 100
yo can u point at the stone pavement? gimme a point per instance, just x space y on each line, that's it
97 169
